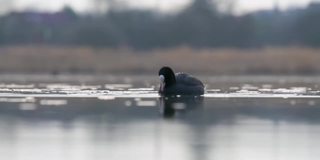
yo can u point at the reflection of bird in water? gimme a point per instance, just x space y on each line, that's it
170 106
179 83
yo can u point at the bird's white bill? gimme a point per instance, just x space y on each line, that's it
161 78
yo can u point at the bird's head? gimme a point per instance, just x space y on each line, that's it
167 76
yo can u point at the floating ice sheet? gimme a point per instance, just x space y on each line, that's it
114 91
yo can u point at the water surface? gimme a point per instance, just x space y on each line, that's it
121 117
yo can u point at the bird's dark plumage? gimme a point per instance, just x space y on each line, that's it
179 83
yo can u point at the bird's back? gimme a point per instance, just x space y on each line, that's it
188 80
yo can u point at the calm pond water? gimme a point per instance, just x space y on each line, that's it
123 117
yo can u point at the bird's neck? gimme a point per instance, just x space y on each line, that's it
170 82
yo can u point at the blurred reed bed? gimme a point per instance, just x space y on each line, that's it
224 61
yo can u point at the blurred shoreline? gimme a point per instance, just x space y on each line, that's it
55 60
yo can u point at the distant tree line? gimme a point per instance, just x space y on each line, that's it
199 25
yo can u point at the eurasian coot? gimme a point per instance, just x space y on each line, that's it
179 83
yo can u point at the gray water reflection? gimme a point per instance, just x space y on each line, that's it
172 106
123 121
203 129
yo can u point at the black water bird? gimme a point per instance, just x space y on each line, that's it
179 83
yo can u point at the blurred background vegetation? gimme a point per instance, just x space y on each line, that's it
200 37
